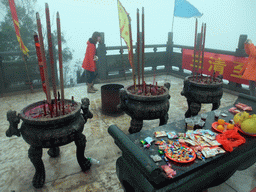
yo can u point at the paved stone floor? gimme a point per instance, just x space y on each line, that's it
63 173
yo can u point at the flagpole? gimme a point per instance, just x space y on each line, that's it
173 16
121 48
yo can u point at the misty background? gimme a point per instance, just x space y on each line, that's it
226 20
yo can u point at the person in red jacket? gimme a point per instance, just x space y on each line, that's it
89 63
249 69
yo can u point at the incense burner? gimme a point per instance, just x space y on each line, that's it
143 107
201 89
51 133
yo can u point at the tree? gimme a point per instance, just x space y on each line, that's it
27 22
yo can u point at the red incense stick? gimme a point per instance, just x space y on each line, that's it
40 62
48 94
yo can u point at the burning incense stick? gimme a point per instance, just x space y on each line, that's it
48 94
195 51
131 50
51 53
60 62
202 64
138 45
143 45
199 53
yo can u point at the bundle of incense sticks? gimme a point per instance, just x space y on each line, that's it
138 49
197 73
42 62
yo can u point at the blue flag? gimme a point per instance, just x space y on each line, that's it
184 9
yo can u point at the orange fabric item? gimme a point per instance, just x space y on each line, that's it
250 68
89 64
230 139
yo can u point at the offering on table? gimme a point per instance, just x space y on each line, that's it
243 107
160 134
180 153
172 135
220 127
211 152
168 171
156 158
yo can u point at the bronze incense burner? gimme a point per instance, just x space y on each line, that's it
144 107
51 133
203 91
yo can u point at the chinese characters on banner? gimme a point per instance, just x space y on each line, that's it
227 65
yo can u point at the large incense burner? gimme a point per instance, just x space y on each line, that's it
145 106
40 130
201 89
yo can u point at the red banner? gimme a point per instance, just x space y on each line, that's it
17 27
227 65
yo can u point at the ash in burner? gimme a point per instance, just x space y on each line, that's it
43 111
205 80
147 90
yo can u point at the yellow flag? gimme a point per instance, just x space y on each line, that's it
124 27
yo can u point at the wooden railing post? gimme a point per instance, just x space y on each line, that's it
169 52
240 52
102 62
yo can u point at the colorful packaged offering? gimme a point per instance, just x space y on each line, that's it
190 142
184 135
162 147
168 171
149 140
210 152
172 135
156 158
159 142
160 134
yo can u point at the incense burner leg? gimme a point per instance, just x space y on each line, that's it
136 126
216 105
164 119
80 142
35 156
54 152
193 109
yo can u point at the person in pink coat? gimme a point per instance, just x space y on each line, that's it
89 63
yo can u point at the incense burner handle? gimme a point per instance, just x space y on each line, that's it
123 99
85 108
14 120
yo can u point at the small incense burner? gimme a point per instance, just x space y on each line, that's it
201 89
144 107
51 133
